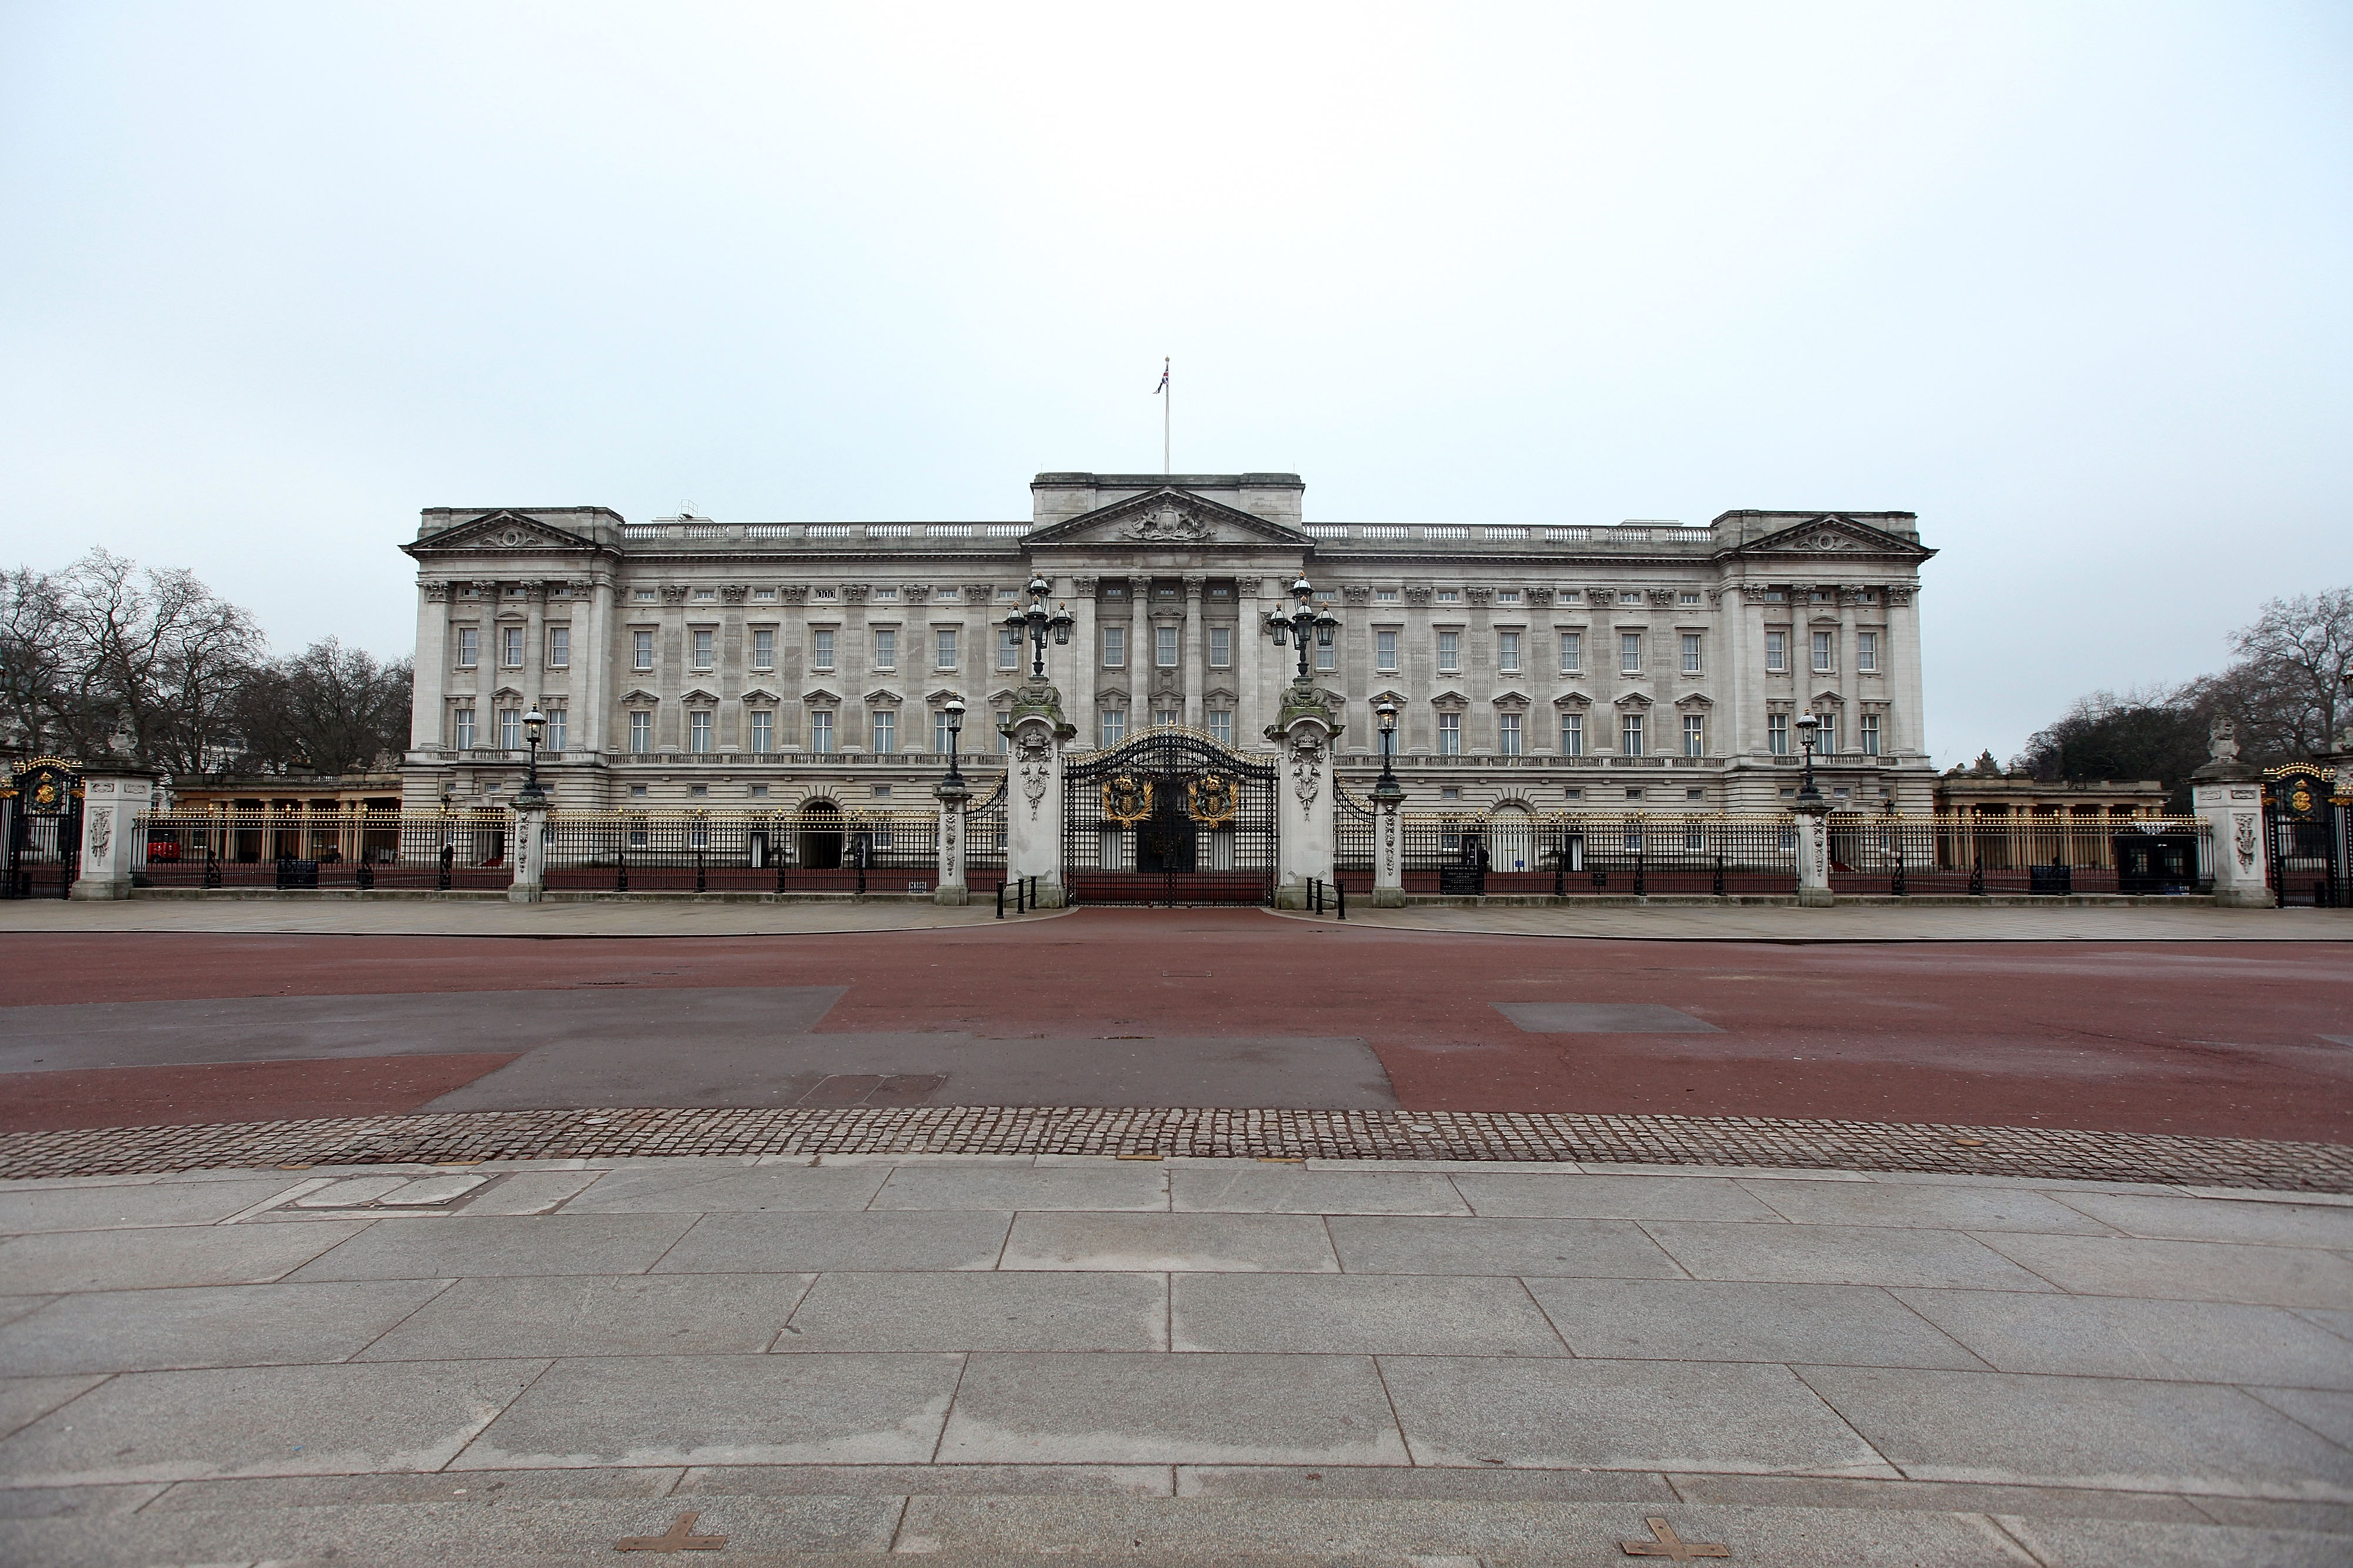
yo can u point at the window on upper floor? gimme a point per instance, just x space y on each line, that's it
1221 726
1629 653
1450 734
1507 653
764 647
1507 734
1384 596
1450 596
1572 737
559 648
886 730
763 736
1221 647
822 650
1776 734
1630 734
1450 653
1776 652
1115 648
1691 653
1866 652
1825 652
705 595
698 731
1572 652
511 647
641 650
1694 735
1164 646
1867 731
470 645
1687 597
886 649
703 639
1385 652
641 732
943 648
461 727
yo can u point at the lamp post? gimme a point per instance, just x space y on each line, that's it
1039 623
1306 626
1807 725
534 725
1386 711
953 708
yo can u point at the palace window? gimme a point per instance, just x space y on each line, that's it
1507 652
1115 649
1221 647
882 595
1384 596
641 650
1450 596
470 643
944 648
1507 597
763 732
1115 726
641 595
1776 734
828 592
462 727
1694 735
1164 646
1507 734
1385 652
1630 734
1450 652
764 647
1450 792
698 731
1629 653
1221 726
1687 597
821 731
1572 734
511 729
939 731
702 641
1825 652
886 649
559 648
1776 652
1004 594
1009 648
1866 652
641 732
1828 741
1163 716
821 650
1572 652
1691 653
764 597
886 730
1629 596
1450 734
556 728
1327 654
1868 730
511 647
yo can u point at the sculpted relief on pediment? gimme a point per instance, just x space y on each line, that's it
1170 523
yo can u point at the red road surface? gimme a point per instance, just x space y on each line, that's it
2217 1039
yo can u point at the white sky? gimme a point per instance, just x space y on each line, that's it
2068 280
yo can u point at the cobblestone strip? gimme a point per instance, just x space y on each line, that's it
1330 1135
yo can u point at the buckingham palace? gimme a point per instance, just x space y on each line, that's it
687 662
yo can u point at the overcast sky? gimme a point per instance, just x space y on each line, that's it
2068 280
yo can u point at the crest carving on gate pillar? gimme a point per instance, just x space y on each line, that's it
1306 765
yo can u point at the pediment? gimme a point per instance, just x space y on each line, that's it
508 691
1634 699
940 697
1511 702
639 697
1832 535
820 695
884 697
1166 518
504 531
759 694
1454 699
698 695
1826 697
1112 694
1576 701
1695 700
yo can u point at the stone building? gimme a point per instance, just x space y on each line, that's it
687 662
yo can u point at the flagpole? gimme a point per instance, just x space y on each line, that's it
1168 402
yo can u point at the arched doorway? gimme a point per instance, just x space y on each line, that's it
820 835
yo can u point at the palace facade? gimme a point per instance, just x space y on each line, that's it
688 662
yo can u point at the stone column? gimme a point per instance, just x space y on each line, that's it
1250 632
425 715
595 660
1140 653
1303 734
1089 660
951 888
1196 662
112 801
527 848
1810 817
1388 847
1033 813
2229 795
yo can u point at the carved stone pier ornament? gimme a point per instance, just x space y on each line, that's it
2222 738
1170 524
1306 765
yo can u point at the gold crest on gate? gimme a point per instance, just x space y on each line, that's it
1126 800
1209 800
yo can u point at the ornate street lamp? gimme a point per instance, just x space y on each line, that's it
1307 626
534 725
1387 712
1807 725
1040 625
953 708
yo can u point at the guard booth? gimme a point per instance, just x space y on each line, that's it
42 848
2158 863
2304 824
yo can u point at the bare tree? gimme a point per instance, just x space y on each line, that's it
2293 662
33 680
329 707
156 659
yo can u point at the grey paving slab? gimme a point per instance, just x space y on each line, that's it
76 1502
1112 1185
1172 1409
1250 1187
1936 1207
1184 1243
2180 1270
1619 1414
1843 1255
1710 1319
1410 1244
1943 1496
974 1311
2104 1543
1364 1314
2271 1514
254 1421
180 1254
576 1315
349 1192
2338 1322
504 1486
106 1208
1429 1482
413 1247
1613 1197
2083 1431
909 1481
529 1191
723 1191
429 1192
24 1400
15 1307
2114 1336
724 1410
820 1243
2326 1412
2212 1219
209 1325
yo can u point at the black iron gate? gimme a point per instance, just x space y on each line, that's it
44 831
2304 834
984 839
1170 817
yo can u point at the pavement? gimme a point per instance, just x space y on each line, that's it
1078 1360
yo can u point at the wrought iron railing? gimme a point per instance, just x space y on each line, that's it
360 852
779 851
